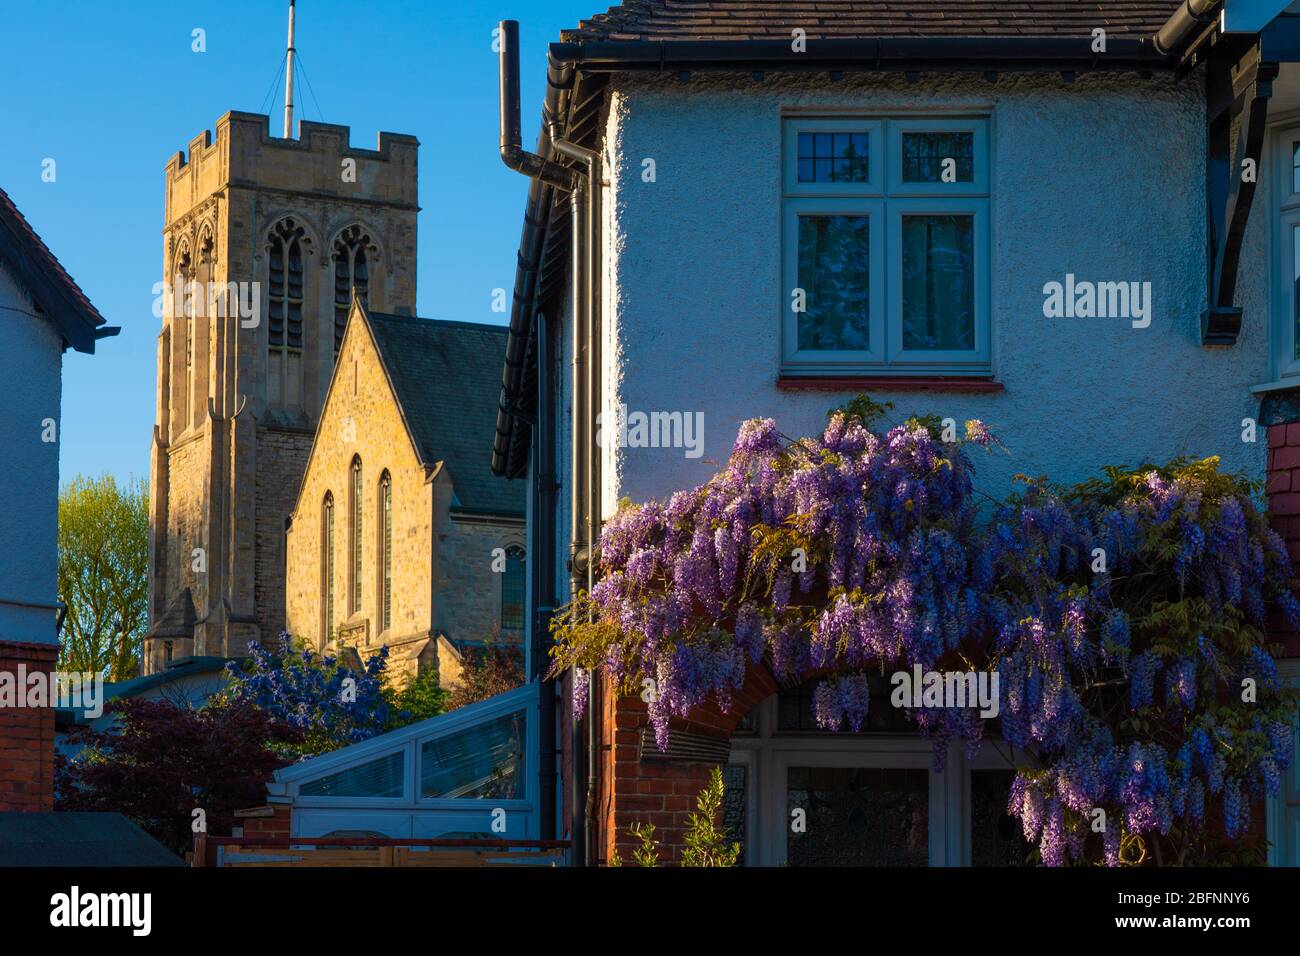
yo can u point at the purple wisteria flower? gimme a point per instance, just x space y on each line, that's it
837 554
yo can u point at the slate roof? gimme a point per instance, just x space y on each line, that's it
447 376
823 19
43 276
78 839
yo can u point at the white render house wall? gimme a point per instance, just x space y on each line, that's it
1102 178
31 359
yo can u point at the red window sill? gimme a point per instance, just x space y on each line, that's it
888 383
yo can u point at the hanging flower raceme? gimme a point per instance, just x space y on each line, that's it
1120 618
846 551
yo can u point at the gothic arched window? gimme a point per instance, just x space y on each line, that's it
355 542
327 568
284 312
385 528
352 250
183 296
199 332
512 590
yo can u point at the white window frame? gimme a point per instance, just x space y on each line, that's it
875 130
885 199
796 208
768 753
921 360
749 759
883 753
977 127
1285 218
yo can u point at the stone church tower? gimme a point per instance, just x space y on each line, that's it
266 241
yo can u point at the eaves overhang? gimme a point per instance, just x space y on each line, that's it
865 54
577 76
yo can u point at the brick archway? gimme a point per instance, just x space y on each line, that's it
640 784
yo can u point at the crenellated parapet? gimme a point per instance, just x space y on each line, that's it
321 161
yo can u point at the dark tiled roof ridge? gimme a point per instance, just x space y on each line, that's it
449 323
685 20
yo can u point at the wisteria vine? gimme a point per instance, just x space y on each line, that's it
1125 618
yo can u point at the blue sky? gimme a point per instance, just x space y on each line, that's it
110 91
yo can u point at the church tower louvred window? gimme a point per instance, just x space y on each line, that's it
284 312
184 278
352 261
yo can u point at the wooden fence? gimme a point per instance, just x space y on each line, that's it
373 851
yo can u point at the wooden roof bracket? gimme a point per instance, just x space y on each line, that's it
1237 91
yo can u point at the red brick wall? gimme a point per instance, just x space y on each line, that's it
27 735
636 789
1283 490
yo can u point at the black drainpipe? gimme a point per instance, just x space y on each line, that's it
545 487
587 281
1179 27
547 176
579 477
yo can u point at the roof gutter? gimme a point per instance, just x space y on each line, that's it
871 53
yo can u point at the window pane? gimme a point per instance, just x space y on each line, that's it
859 816
1295 282
996 837
486 761
924 155
939 283
356 537
379 778
837 157
835 274
386 592
734 781
1295 167
512 591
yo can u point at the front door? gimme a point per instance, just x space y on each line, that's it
798 796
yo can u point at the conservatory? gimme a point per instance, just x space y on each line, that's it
464 774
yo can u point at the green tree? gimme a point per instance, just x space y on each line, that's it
419 700
103 574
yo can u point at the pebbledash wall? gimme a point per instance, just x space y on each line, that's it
31 368
1103 178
